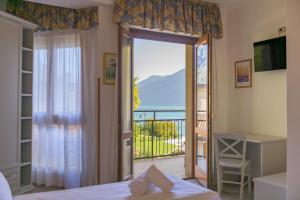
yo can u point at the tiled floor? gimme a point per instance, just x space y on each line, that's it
169 165
232 193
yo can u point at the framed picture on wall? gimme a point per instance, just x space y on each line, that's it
110 61
243 73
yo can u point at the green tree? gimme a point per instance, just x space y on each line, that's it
165 129
136 98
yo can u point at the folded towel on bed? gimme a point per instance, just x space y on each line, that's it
159 179
140 185
147 180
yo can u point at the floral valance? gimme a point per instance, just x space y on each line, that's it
187 16
50 18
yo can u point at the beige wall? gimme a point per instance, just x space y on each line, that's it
262 108
107 42
220 81
293 49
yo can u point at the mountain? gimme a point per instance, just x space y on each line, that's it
163 90
170 90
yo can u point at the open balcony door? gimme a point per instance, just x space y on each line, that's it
202 109
125 105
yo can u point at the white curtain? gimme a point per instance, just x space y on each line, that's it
64 97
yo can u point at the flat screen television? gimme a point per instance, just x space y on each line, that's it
270 54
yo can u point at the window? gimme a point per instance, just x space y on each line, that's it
57 110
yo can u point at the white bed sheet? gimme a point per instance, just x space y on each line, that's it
183 190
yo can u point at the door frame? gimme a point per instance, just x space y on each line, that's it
164 37
123 135
205 40
210 113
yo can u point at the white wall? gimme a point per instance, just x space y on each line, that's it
107 42
262 108
293 75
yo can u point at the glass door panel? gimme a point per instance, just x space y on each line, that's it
202 108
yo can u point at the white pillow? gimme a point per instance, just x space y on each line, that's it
5 192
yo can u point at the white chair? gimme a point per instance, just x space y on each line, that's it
230 153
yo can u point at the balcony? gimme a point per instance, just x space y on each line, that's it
158 133
159 139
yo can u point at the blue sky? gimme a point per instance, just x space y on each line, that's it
157 58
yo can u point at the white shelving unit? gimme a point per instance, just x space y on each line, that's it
26 78
16 74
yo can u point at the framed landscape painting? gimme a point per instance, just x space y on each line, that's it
109 68
243 73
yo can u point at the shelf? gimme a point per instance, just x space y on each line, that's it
25 164
26 118
27 49
27 38
26 141
26 129
26 72
27 60
26 152
25 114
27 84
27 68
26 95
25 177
26 110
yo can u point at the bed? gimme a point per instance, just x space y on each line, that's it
183 190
